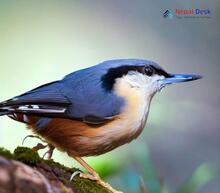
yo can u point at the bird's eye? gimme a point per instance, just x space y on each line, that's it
148 71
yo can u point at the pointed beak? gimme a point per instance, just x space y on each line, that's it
177 78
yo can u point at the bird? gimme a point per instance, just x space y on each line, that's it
93 110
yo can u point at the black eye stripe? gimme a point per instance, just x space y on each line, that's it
112 74
160 71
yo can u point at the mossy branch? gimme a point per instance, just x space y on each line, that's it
25 171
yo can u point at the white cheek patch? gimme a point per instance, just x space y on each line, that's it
154 83
136 79
147 85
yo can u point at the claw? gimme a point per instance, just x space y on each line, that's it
33 136
86 176
94 178
74 175
49 152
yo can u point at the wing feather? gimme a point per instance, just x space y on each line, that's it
80 95
46 100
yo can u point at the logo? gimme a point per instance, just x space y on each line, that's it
168 14
187 13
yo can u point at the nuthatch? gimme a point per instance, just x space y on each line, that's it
94 110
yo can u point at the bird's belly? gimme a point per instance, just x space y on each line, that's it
86 140
82 139
111 136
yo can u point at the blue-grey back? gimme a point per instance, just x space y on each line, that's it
81 92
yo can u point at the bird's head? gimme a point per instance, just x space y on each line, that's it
142 75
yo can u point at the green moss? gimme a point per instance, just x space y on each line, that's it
82 185
5 153
26 155
52 163
67 172
88 186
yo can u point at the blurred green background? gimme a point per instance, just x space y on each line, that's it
41 41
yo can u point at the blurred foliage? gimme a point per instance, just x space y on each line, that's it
107 168
149 182
200 177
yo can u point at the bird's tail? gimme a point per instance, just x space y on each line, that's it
3 109
3 112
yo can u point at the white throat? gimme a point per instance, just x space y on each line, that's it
134 89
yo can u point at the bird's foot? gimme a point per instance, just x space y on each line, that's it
40 146
95 177
86 176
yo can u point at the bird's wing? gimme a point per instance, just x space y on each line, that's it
46 100
89 99
78 96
